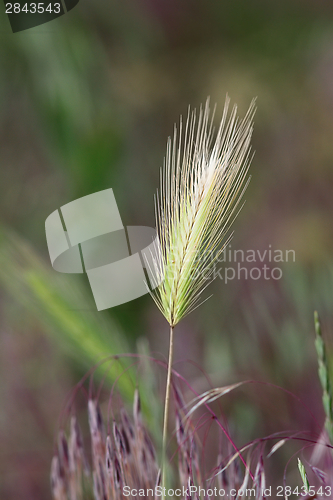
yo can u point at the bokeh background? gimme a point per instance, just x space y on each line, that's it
87 103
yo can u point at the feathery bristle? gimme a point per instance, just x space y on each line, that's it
202 183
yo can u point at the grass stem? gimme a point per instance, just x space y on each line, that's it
324 377
166 408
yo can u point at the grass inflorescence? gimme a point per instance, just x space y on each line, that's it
202 183
123 463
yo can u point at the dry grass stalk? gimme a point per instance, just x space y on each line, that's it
125 456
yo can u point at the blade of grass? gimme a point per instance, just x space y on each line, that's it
61 308
324 377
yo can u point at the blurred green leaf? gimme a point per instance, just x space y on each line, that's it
62 309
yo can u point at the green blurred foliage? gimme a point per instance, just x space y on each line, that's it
87 102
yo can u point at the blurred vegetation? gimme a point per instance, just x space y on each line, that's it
87 102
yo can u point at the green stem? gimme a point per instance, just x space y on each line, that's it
324 376
166 409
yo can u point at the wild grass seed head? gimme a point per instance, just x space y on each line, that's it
202 182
